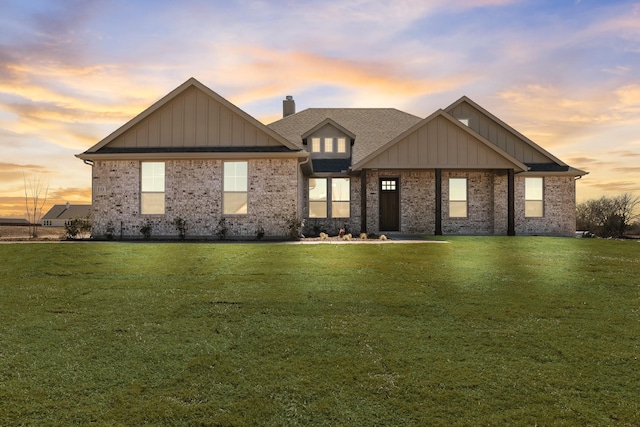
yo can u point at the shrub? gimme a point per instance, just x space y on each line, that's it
259 233
222 229
146 230
181 225
294 227
77 226
110 230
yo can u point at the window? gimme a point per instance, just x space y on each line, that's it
389 185
317 198
234 199
152 188
457 197
533 197
464 121
340 197
328 145
315 145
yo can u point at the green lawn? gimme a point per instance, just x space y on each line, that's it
479 331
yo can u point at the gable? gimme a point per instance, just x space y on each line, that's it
500 134
440 141
328 128
194 118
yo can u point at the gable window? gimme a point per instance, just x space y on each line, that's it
317 197
458 198
533 197
152 188
340 190
464 121
342 145
315 145
328 145
234 199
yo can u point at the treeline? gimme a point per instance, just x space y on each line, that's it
609 216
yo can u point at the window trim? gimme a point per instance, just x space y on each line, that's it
226 192
539 201
458 201
335 201
318 202
328 201
144 192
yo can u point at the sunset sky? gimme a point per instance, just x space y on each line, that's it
566 73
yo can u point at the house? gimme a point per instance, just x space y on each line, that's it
60 215
194 156
13 222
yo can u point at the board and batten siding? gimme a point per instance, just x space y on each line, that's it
194 119
497 134
439 143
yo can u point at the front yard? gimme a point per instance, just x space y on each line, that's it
480 331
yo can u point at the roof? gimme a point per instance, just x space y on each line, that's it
13 221
372 127
68 212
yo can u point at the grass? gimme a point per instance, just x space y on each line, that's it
480 331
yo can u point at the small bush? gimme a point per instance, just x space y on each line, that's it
259 233
110 230
146 230
77 226
222 229
294 227
181 225
363 236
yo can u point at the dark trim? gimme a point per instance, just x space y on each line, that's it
363 201
144 150
511 223
438 231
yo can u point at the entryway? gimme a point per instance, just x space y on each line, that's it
389 204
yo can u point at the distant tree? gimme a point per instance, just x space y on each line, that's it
608 216
34 201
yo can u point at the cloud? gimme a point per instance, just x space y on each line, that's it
616 186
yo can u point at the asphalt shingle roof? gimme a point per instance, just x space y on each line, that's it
373 127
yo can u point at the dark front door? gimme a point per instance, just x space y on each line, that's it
389 204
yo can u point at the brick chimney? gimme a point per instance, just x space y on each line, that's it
288 106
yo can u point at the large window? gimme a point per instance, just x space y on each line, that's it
533 197
340 197
317 197
458 197
234 200
321 190
152 188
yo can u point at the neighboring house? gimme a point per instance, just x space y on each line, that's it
60 215
194 155
9 222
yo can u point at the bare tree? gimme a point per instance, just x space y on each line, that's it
34 202
608 216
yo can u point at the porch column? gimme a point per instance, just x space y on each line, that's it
363 201
438 202
511 222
